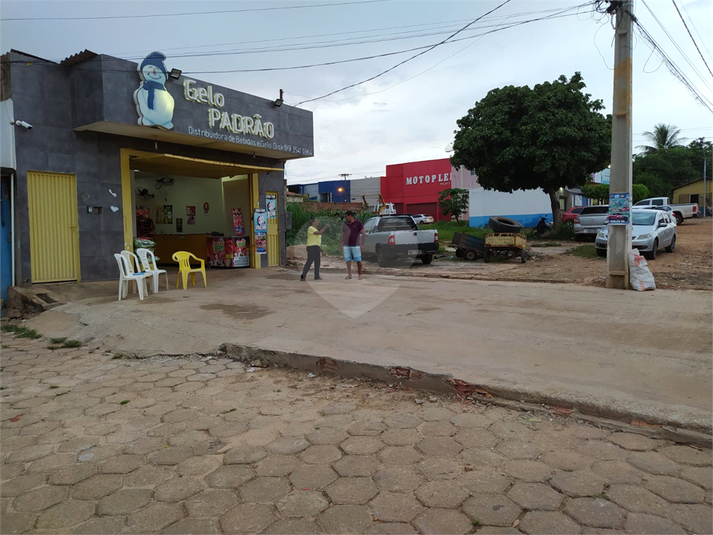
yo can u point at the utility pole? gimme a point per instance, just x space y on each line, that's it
703 151
344 176
619 243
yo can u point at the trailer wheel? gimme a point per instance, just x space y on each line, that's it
459 253
471 255
523 256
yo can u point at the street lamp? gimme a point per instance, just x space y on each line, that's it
341 190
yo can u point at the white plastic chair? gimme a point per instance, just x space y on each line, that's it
148 263
127 275
132 261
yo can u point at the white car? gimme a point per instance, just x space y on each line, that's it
423 219
651 230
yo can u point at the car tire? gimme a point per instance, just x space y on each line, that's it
504 224
651 255
672 246
679 219
569 224
381 258
470 255
601 252
427 259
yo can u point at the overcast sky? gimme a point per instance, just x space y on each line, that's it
409 113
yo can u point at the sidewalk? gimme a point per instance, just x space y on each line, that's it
620 354
96 444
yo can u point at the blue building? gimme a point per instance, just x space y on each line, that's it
327 191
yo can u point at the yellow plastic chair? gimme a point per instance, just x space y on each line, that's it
184 268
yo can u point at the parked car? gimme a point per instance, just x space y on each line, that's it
570 214
423 219
664 208
651 230
681 211
398 236
590 220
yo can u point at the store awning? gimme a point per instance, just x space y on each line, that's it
170 164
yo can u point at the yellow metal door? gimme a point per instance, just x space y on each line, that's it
54 235
273 228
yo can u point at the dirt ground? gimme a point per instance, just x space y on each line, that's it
690 267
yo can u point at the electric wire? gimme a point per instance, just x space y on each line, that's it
676 45
194 13
670 64
691 36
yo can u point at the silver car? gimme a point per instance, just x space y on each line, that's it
423 219
651 230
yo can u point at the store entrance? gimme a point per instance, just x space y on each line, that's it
186 204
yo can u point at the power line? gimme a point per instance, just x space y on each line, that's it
672 67
691 36
406 60
194 13
675 44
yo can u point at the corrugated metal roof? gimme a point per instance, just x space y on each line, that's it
78 58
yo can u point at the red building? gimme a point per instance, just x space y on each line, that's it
414 187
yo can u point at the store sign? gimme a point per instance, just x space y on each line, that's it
440 178
154 103
232 122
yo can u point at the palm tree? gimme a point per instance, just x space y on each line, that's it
663 137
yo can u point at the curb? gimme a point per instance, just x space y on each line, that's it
666 426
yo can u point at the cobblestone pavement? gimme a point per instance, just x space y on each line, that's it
92 443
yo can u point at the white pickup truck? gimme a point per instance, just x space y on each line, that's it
397 236
680 211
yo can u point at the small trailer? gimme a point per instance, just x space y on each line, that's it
499 244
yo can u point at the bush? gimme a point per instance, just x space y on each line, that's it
330 239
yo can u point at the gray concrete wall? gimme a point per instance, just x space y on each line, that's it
370 187
56 100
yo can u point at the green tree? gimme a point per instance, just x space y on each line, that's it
453 201
663 136
599 192
550 136
663 170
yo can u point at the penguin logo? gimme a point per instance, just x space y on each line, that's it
153 103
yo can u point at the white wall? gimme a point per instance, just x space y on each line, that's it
184 192
524 206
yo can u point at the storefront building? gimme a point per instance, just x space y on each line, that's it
104 150
414 187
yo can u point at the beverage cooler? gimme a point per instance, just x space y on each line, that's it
228 251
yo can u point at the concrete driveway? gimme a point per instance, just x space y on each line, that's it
616 353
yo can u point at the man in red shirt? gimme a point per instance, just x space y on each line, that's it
352 245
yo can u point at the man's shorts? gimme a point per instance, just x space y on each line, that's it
352 253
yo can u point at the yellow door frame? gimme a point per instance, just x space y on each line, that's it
273 234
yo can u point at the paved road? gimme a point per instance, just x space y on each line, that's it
647 354
97 444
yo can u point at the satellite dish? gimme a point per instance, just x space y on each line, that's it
449 147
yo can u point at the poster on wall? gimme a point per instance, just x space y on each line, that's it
238 225
260 231
271 205
164 214
619 207
190 215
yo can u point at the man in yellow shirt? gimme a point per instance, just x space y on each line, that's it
314 248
